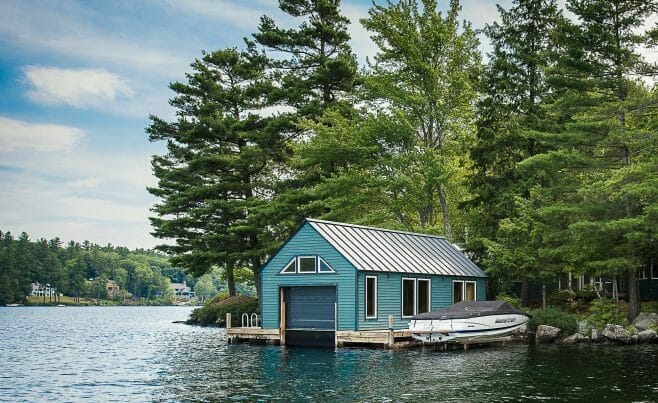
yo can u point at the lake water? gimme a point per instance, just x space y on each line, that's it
137 354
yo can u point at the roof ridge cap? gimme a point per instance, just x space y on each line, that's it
336 223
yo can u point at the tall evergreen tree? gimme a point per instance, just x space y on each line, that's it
424 74
218 164
510 120
598 146
314 70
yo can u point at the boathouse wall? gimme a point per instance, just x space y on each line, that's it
389 296
307 242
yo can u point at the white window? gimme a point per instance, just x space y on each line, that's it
291 267
371 297
463 291
424 296
323 267
307 265
408 297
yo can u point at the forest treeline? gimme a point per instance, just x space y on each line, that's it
540 157
83 270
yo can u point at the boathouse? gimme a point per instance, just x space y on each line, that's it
333 278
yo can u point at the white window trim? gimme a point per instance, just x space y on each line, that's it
294 259
453 290
415 303
299 266
375 299
429 292
463 296
475 289
319 262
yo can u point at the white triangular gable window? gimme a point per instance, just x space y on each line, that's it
323 267
291 267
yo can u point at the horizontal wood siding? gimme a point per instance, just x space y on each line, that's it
308 242
389 297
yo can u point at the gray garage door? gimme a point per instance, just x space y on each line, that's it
310 308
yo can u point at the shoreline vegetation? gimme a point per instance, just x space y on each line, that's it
84 301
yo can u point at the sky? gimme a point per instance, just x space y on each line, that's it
78 80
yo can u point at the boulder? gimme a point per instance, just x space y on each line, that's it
596 335
616 333
546 334
575 338
647 336
644 320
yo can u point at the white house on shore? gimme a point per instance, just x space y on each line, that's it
182 291
43 290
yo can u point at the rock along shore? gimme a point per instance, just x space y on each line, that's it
642 330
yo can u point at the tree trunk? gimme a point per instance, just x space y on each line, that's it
447 229
525 292
615 289
543 295
255 266
633 295
230 281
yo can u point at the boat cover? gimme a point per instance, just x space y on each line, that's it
469 309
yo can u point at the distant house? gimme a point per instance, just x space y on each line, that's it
112 288
43 290
333 276
182 291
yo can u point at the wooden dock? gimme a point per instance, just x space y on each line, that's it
367 338
372 338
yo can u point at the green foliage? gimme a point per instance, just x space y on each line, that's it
83 271
510 299
570 301
214 311
649 306
605 311
220 153
553 317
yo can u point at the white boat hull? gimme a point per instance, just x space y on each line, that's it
444 330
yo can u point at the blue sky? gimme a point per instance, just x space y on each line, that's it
78 80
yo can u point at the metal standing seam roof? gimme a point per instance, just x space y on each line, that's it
383 250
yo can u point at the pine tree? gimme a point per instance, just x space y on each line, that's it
218 167
510 119
314 70
599 148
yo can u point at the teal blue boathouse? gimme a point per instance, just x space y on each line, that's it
331 277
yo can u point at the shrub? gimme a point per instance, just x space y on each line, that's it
650 306
604 311
552 316
510 299
215 310
562 299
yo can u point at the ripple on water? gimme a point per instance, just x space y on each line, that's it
138 354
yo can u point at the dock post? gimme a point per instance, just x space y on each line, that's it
228 326
391 331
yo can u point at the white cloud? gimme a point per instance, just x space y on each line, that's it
17 134
238 14
75 87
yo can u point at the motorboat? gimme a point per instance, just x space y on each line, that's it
468 321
